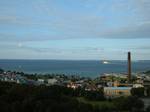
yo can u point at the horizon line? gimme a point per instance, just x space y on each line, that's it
82 59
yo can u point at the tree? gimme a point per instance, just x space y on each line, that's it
94 95
1 70
137 92
148 109
129 104
148 91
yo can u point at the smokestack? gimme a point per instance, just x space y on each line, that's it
129 66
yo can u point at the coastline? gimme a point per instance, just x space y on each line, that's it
88 68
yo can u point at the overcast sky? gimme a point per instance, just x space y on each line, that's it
74 29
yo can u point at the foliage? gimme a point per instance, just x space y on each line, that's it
130 103
94 95
148 109
1 70
28 98
147 72
148 91
137 92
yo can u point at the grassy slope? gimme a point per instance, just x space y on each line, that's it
96 103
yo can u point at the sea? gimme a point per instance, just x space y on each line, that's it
85 68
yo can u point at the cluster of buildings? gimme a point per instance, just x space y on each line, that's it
13 77
113 84
121 85
21 79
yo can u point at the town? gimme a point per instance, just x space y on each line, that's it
106 87
112 84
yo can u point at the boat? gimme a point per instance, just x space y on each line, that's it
105 62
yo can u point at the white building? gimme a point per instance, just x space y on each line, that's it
41 81
52 81
137 85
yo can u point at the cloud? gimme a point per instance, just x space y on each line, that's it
130 32
7 19
143 8
44 50
122 19
143 47
20 44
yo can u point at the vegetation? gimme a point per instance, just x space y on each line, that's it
25 98
147 72
148 109
139 92
1 70
102 105
148 91
131 104
28 98
94 95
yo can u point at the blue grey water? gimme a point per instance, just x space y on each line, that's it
88 68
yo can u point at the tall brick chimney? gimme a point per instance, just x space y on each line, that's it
129 66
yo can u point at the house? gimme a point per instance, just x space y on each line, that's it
118 84
90 87
146 83
110 84
52 81
72 85
137 85
117 91
41 81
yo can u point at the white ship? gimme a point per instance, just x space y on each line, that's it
105 62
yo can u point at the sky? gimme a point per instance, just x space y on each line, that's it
75 29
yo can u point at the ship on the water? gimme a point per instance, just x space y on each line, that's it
105 62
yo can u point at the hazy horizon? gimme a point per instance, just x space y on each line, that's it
77 59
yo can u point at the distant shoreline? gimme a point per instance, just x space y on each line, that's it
72 67
75 60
